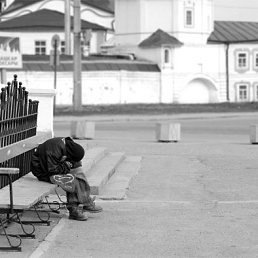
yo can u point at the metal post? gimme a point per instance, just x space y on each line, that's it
3 76
55 72
227 72
3 70
77 91
67 23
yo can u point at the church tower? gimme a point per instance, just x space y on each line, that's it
190 21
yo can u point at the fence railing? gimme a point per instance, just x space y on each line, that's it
18 121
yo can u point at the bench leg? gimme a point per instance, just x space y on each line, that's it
41 220
54 203
58 203
22 223
59 198
12 246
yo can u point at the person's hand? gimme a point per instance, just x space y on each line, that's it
63 158
69 164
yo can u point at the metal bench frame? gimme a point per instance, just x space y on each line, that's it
12 210
18 140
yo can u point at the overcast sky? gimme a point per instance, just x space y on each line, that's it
238 10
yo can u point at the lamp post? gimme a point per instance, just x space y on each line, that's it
77 90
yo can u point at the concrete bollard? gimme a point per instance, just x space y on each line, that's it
254 134
168 132
83 129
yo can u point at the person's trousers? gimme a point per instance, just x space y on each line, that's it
75 185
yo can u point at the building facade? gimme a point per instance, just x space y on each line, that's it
200 69
196 59
38 20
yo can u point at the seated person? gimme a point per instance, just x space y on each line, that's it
58 161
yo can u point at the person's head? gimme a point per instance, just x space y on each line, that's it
74 151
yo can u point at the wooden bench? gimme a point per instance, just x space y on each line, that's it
22 194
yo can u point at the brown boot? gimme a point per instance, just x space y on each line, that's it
76 213
91 206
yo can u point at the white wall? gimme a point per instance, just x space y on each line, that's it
97 87
127 22
45 108
208 59
156 14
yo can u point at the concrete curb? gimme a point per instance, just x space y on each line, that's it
116 187
45 245
102 172
135 117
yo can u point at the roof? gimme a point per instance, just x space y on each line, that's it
43 20
159 38
105 5
40 63
234 32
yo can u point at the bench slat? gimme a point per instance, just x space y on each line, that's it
27 192
10 171
23 146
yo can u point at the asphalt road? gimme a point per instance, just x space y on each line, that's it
197 198
194 198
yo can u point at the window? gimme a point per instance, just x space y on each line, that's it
188 17
82 45
166 56
255 60
40 47
242 91
62 47
255 92
242 60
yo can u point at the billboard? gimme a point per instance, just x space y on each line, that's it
10 54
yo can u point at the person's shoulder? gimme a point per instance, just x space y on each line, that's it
55 141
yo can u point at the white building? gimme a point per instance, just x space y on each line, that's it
169 51
36 30
41 19
199 62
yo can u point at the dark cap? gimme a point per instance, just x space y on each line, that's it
74 151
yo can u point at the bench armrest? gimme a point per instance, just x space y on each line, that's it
9 171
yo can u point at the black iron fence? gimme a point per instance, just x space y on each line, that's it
18 121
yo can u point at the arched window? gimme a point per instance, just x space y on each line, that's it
166 56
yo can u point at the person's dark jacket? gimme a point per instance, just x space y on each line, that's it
50 159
